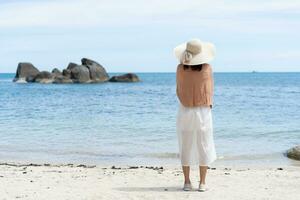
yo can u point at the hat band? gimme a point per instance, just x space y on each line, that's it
187 56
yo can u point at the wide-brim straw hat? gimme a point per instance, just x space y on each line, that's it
195 52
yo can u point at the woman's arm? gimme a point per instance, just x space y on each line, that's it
177 74
212 84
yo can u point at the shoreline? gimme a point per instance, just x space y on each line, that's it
33 181
265 160
142 166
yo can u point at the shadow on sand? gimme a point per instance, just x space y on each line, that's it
150 189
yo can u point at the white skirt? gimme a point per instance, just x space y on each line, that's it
195 135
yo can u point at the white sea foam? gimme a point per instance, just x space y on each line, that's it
21 80
163 155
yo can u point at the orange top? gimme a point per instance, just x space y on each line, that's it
195 88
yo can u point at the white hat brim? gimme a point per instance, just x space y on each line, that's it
207 54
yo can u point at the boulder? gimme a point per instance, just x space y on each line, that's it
71 65
26 71
97 71
44 77
56 72
80 74
67 73
294 153
129 77
62 79
87 61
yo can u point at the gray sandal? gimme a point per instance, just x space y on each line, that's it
187 187
202 188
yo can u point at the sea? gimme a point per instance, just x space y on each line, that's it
256 119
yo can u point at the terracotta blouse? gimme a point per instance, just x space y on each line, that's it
195 88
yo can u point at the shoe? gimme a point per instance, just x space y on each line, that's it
187 187
202 188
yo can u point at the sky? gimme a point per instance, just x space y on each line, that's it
139 35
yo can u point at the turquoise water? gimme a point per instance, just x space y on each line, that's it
256 119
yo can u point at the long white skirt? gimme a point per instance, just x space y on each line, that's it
195 135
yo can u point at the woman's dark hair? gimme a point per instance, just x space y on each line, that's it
193 67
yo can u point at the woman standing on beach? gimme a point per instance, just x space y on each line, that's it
194 79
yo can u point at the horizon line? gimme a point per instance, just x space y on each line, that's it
254 71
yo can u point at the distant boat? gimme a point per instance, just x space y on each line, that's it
254 71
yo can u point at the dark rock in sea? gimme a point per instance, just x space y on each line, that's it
26 72
80 74
294 153
30 79
86 61
129 77
67 73
97 71
56 72
62 79
89 72
44 77
71 65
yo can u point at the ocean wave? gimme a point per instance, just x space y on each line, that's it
278 133
21 80
162 155
251 156
64 152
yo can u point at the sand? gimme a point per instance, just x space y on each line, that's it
122 182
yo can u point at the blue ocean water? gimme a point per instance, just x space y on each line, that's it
256 119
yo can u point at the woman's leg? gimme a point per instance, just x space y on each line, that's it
205 143
186 173
186 147
202 171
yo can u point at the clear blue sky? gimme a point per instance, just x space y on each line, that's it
139 35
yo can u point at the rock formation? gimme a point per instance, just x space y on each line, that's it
88 72
97 71
294 153
44 77
80 74
129 77
26 72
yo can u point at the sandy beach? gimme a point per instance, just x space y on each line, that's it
144 182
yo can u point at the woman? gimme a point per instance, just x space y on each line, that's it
194 90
